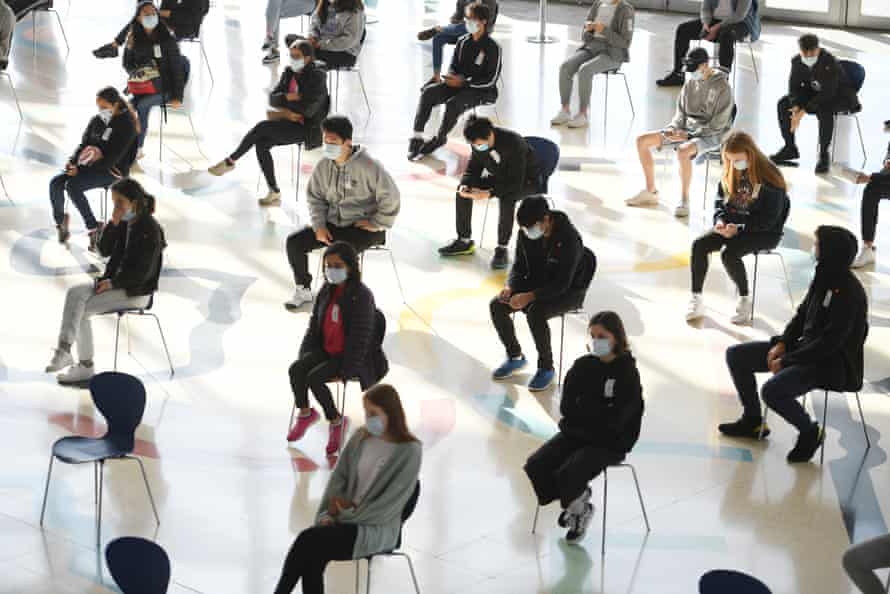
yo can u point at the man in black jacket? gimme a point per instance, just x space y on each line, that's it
183 17
503 166
821 348
817 85
471 80
551 273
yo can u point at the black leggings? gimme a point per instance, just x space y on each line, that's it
264 136
310 554
874 192
334 60
726 39
313 371
735 248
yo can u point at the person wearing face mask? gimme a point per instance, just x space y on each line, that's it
336 31
817 85
360 513
342 342
471 80
351 198
105 153
134 243
821 348
877 189
450 33
182 17
551 273
299 103
704 116
502 165
601 415
749 216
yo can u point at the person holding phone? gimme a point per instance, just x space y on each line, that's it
877 188
450 33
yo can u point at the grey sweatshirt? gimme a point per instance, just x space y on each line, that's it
617 36
348 29
742 8
360 189
704 107
7 28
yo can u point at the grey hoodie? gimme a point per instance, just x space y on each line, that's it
704 107
618 35
348 30
360 189
7 27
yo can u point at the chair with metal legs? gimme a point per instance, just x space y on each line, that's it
579 311
630 99
715 58
5 191
15 96
855 74
296 164
142 312
167 109
47 8
339 404
197 39
781 258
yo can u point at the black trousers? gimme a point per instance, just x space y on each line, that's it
313 371
562 467
691 30
463 213
537 315
334 60
310 554
733 251
874 192
264 136
826 124
456 102
302 242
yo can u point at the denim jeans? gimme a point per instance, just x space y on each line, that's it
81 303
86 179
447 36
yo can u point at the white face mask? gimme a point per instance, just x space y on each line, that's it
809 61
128 216
332 151
534 232
740 165
150 21
472 27
106 114
599 347
375 425
697 75
297 64
336 276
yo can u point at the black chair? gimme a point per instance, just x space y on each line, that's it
855 74
406 513
727 581
141 312
138 566
121 400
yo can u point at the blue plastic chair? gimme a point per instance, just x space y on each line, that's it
121 400
727 581
547 154
138 566
855 74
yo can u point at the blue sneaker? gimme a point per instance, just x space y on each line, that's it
509 367
542 380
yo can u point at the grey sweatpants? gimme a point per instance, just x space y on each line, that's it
861 561
585 63
284 9
81 303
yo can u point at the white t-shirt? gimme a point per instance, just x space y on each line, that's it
723 10
375 453
604 15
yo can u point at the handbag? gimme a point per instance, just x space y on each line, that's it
142 81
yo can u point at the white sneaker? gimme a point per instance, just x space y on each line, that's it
696 308
644 198
560 118
77 375
681 211
221 168
865 257
301 296
140 155
61 359
743 311
271 199
579 121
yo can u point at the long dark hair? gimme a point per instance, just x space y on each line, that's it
611 321
348 254
322 7
386 397
159 33
132 190
113 96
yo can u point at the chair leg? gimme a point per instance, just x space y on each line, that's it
364 92
484 220
206 61
15 95
754 285
99 506
411 569
151 498
195 136
605 509
395 270
368 577
535 521
754 62
562 336
163 341
358 562
864 426
117 336
62 29
49 474
787 279
606 104
129 336
704 197
640 497
861 140
824 427
630 99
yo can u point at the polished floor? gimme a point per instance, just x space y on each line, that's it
232 494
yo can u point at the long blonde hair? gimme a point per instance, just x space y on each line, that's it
760 169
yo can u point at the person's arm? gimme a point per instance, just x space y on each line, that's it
316 200
840 324
123 133
84 141
766 212
454 66
358 341
339 478
829 77
738 15
310 337
706 13
621 33
281 87
140 255
491 68
348 34
629 402
108 239
473 173
511 176
679 120
794 329
568 264
388 199
519 270
587 36
573 385
313 95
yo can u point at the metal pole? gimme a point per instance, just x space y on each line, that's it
542 37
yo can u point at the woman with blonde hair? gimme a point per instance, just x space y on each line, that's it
749 216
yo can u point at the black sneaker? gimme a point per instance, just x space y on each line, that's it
673 79
414 146
64 233
427 34
807 445
431 145
269 44
824 163
272 57
499 260
785 154
458 247
106 51
290 38
745 427
578 524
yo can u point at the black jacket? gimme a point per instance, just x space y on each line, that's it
602 403
824 87
554 266
136 252
116 141
831 324
479 62
170 63
314 102
185 17
460 10
767 213
515 168
364 327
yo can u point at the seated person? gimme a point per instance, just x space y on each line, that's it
602 411
134 242
605 40
877 188
299 103
361 510
449 34
749 216
182 17
357 211
7 29
105 154
723 22
817 85
342 342
502 165
551 273
471 80
821 348
337 31
282 9
704 116
862 559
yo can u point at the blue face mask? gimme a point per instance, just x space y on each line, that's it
534 232
472 27
599 347
375 426
481 147
697 75
336 276
332 151
128 216
150 21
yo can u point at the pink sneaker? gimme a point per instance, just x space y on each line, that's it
302 424
336 433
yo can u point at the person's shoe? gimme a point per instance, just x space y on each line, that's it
865 257
269 44
807 445
61 359
509 367
824 164
94 235
427 34
561 117
672 79
140 154
431 145
270 199
565 516
785 154
681 211
458 247
643 198
77 375
414 146
745 427
221 168
336 434
696 308
579 523
499 260
106 51
578 121
62 230
541 380
302 425
743 311
272 56
301 296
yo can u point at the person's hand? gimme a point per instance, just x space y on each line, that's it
599 27
117 215
731 230
713 32
588 26
797 114
465 192
326 521
340 504
296 117
175 103
102 286
324 236
521 300
292 96
863 178
776 365
368 226
455 81
478 194
775 353
504 295
165 14
313 41
70 169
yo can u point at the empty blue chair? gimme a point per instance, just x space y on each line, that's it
727 581
547 154
138 566
121 400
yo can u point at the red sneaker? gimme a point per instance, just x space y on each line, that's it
336 433
302 424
